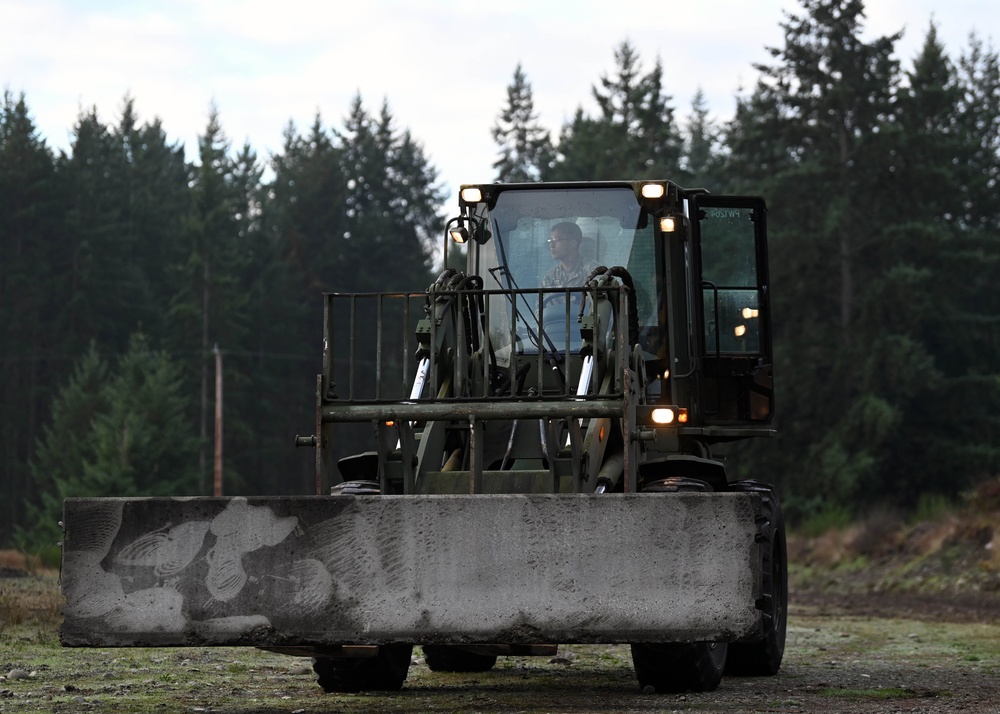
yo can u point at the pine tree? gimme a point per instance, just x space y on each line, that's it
31 351
526 151
120 430
209 306
979 72
812 136
634 135
700 161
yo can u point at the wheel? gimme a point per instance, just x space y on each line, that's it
384 672
679 667
762 655
442 658
356 488
676 484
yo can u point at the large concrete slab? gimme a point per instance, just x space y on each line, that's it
374 569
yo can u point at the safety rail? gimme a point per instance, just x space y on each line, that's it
446 347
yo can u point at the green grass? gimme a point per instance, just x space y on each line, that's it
829 519
880 693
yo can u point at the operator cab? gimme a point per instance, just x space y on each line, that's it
549 241
697 264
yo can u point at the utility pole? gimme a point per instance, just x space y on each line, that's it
218 420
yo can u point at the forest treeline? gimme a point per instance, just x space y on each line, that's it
123 267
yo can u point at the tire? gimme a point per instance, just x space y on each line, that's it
385 672
356 488
442 658
761 656
679 667
677 484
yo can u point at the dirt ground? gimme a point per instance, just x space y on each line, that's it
844 654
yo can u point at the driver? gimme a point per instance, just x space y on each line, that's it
571 268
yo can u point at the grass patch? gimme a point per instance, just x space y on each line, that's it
829 519
875 694
30 601
932 507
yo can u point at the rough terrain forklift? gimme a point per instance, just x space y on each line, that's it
537 464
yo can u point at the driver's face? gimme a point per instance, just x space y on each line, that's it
561 245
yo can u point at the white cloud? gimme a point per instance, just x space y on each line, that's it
443 65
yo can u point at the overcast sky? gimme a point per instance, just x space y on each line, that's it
442 65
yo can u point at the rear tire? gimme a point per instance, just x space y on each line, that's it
762 655
384 672
679 667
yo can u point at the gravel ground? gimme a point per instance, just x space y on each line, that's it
872 654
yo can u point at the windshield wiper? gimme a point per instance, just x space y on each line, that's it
552 356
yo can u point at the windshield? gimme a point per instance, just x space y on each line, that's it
554 238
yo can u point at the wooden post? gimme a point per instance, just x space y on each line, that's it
218 421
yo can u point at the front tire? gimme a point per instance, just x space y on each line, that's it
384 672
679 667
762 655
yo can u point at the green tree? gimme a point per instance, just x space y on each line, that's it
701 160
209 306
979 77
127 194
30 226
633 136
526 151
391 204
118 429
812 138
154 201
304 223
876 313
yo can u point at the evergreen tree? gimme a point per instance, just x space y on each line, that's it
304 225
209 306
391 205
354 210
700 164
811 137
115 431
979 77
31 352
634 135
526 151
154 202
870 253
102 280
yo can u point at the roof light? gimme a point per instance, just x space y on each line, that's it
653 190
472 194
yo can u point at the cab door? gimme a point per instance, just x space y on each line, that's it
732 306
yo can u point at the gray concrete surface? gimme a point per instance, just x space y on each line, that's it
375 569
